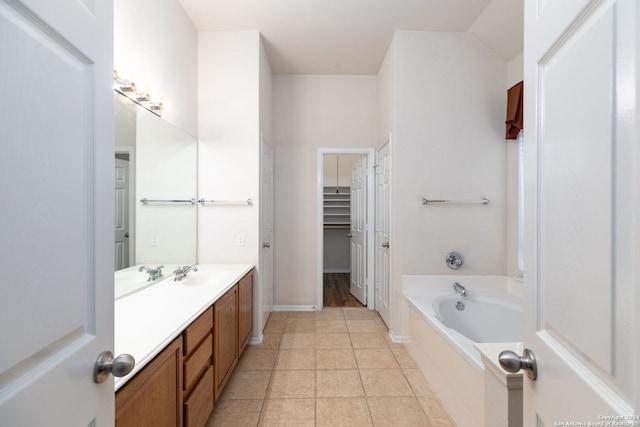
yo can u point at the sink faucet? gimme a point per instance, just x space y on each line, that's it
460 289
154 273
182 272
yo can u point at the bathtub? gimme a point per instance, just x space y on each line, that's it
442 337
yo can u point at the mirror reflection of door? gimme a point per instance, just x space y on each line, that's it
122 247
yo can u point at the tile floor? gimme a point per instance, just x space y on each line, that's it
335 367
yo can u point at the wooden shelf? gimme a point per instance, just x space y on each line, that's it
337 207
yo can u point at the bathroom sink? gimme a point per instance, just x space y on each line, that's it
207 277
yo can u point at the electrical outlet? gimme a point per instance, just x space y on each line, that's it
240 239
155 240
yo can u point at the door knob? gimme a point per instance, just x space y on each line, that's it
126 234
266 245
511 362
385 245
106 364
349 235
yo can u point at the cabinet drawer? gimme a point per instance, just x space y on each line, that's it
197 331
197 363
199 405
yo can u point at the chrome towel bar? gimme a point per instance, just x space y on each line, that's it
483 201
146 201
249 202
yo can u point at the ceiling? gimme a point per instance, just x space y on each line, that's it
352 36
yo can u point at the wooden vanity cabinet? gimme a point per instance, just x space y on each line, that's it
198 370
245 311
225 343
153 397
180 386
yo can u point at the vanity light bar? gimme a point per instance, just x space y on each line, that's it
128 89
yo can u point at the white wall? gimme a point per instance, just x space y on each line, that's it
228 105
448 144
155 46
310 112
234 92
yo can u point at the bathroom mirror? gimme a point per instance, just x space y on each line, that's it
156 161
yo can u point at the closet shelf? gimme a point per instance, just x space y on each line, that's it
337 207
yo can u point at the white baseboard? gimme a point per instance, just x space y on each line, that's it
256 340
399 339
336 270
294 308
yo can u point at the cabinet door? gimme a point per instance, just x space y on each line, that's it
245 311
225 338
153 397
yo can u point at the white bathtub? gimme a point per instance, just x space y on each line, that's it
490 314
442 338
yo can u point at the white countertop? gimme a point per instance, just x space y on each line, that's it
147 321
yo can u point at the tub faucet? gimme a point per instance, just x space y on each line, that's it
182 272
460 289
154 273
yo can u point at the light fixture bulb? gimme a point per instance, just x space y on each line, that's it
143 97
156 106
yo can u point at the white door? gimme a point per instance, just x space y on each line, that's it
56 252
383 262
358 287
581 230
122 214
266 229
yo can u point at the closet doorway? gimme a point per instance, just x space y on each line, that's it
345 223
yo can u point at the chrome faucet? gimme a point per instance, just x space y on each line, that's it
154 273
460 289
182 272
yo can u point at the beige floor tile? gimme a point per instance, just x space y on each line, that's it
381 325
375 358
385 382
247 385
368 340
300 326
309 315
359 314
298 341
331 326
289 359
288 413
257 359
338 383
364 325
335 359
292 385
403 357
329 313
338 412
397 412
418 382
437 415
328 341
278 316
270 341
235 413
275 325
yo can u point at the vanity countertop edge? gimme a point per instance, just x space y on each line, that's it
147 321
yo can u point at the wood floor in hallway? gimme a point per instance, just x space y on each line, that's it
336 291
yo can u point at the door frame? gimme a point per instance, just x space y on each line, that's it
370 153
131 152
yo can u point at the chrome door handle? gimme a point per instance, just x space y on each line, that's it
511 362
349 235
118 367
266 245
385 245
